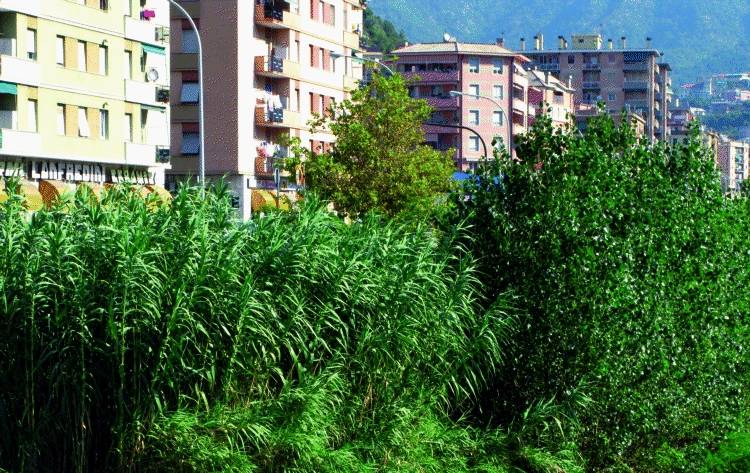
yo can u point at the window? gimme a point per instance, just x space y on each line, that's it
312 56
83 123
127 65
474 117
189 42
128 131
104 124
474 64
31 44
190 143
82 56
321 11
103 60
60 50
497 91
321 58
497 65
332 62
611 96
60 119
497 118
571 59
612 58
474 90
190 92
473 143
104 4
32 124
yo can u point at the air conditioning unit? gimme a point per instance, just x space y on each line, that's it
162 33
162 154
162 94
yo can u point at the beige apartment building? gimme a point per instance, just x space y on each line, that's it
84 87
734 163
270 65
622 77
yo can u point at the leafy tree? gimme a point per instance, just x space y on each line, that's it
379 160
628 262
380 34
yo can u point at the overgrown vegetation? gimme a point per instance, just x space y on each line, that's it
380 34
173 338
628 262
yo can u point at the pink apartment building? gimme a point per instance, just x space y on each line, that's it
493 99
551 96
269 66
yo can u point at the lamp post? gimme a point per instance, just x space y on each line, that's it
335 55
201 121
456 93
461 127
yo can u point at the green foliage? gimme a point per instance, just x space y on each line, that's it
629 263
379 161
174 338
732 456
380 34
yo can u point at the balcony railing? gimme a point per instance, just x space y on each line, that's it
276 67
520 105
442 102
549 67
592 67
635 66
277 117
637 104
433 76
272 15
635 85
591 85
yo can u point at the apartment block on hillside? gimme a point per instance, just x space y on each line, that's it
734 163
84 87
270 66
633 79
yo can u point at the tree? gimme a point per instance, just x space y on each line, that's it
379 160
380 34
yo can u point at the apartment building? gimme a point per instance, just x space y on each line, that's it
270 66
734 163
622 77
479 93
83 92
552 97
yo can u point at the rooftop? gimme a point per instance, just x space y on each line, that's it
539 78
455 47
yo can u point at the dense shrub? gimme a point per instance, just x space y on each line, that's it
173 338
631 267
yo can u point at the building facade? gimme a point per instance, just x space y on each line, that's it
734 163
84 87
483 87
633 79
550 96
270 66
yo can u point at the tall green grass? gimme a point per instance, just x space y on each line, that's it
139 337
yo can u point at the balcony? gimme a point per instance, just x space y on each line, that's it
637 104
29 7
635 85
520 105
635 66
145 93
436 77
264 166
277 118
442 102
520 79
276 67
351 40
591 85
592 67
273 16
19 71
440 130
20 143
549 67
139 154
145 31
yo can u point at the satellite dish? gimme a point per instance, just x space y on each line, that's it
446 37
152 75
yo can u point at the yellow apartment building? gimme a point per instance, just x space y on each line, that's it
84 93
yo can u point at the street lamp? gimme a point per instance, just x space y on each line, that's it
336 55
201 122
456 93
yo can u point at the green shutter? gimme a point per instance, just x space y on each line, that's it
8 88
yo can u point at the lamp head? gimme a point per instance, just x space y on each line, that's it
454 93
335 55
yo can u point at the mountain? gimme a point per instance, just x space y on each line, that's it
697 36
380 34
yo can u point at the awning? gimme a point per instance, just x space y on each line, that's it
8 88
53 190
147 48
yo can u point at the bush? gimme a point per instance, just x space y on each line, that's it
173 338
631 267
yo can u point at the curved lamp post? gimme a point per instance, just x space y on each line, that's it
484 145
201 121
335 55
456 93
